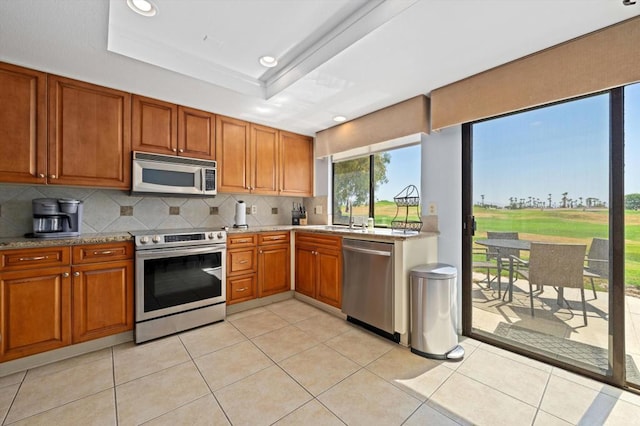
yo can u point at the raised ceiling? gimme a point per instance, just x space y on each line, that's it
346 57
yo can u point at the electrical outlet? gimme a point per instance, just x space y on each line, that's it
317 210
254 209
433 209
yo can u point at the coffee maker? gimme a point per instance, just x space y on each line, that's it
56 218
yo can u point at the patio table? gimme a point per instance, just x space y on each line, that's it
507 244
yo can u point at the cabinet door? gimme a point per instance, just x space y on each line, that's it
154 126
36 311
296 164
232 154
241 289
23 125
89 135
196 133
265 160
273 269
102 299
305 270
329 277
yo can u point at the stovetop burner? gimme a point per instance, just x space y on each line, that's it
154 238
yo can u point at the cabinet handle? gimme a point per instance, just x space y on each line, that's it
103 253
242 262
52 176
181 150
242 289
242 241
261 252
65 274
76 274
23 259
41 175
175 150
275 237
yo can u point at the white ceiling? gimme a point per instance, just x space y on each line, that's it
347 57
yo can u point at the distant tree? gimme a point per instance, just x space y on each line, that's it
352 179
549 200
482 196
632 201
564 199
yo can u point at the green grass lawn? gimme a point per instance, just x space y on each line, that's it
564 225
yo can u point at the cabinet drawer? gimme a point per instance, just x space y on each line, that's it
241 261
13 260
240 289
241 240
102 252
266 238
318 239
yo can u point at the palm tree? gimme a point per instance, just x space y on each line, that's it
564 199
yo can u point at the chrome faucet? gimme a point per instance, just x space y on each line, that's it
350 207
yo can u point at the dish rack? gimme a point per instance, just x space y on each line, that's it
405 200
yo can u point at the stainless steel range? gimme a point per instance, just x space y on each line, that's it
180 280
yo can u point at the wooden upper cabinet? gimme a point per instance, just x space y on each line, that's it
170 129
265 160
196 133
233 154
154 126
89 134
23 125
296 160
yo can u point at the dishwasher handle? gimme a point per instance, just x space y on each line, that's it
367 251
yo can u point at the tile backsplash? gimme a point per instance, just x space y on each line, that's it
115 211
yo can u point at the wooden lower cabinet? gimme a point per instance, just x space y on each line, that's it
87 295
319 267
241 288
102 299
36 311
329 276
258 265
273 269
306 270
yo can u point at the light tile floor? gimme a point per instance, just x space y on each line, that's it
291 364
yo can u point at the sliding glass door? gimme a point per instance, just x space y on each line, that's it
539 187
632 230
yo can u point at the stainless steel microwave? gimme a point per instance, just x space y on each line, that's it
166 174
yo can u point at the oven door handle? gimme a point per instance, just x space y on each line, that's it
178 251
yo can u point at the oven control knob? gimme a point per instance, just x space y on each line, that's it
211 236
220 236
156 239
144 240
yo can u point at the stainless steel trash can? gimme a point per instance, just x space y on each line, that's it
433 320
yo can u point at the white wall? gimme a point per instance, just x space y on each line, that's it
442 184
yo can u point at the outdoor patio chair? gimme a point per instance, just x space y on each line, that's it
597 262
481 260
556 265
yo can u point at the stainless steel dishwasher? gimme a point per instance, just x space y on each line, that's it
367 285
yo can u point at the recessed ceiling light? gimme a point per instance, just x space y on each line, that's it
339 118
268 61
143 7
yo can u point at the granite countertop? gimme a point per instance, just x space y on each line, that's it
8 243
344 231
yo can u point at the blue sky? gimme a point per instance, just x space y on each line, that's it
562 148
403 170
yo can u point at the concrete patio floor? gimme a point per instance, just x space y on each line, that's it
556 330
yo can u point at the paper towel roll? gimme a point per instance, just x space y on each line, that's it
241 214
